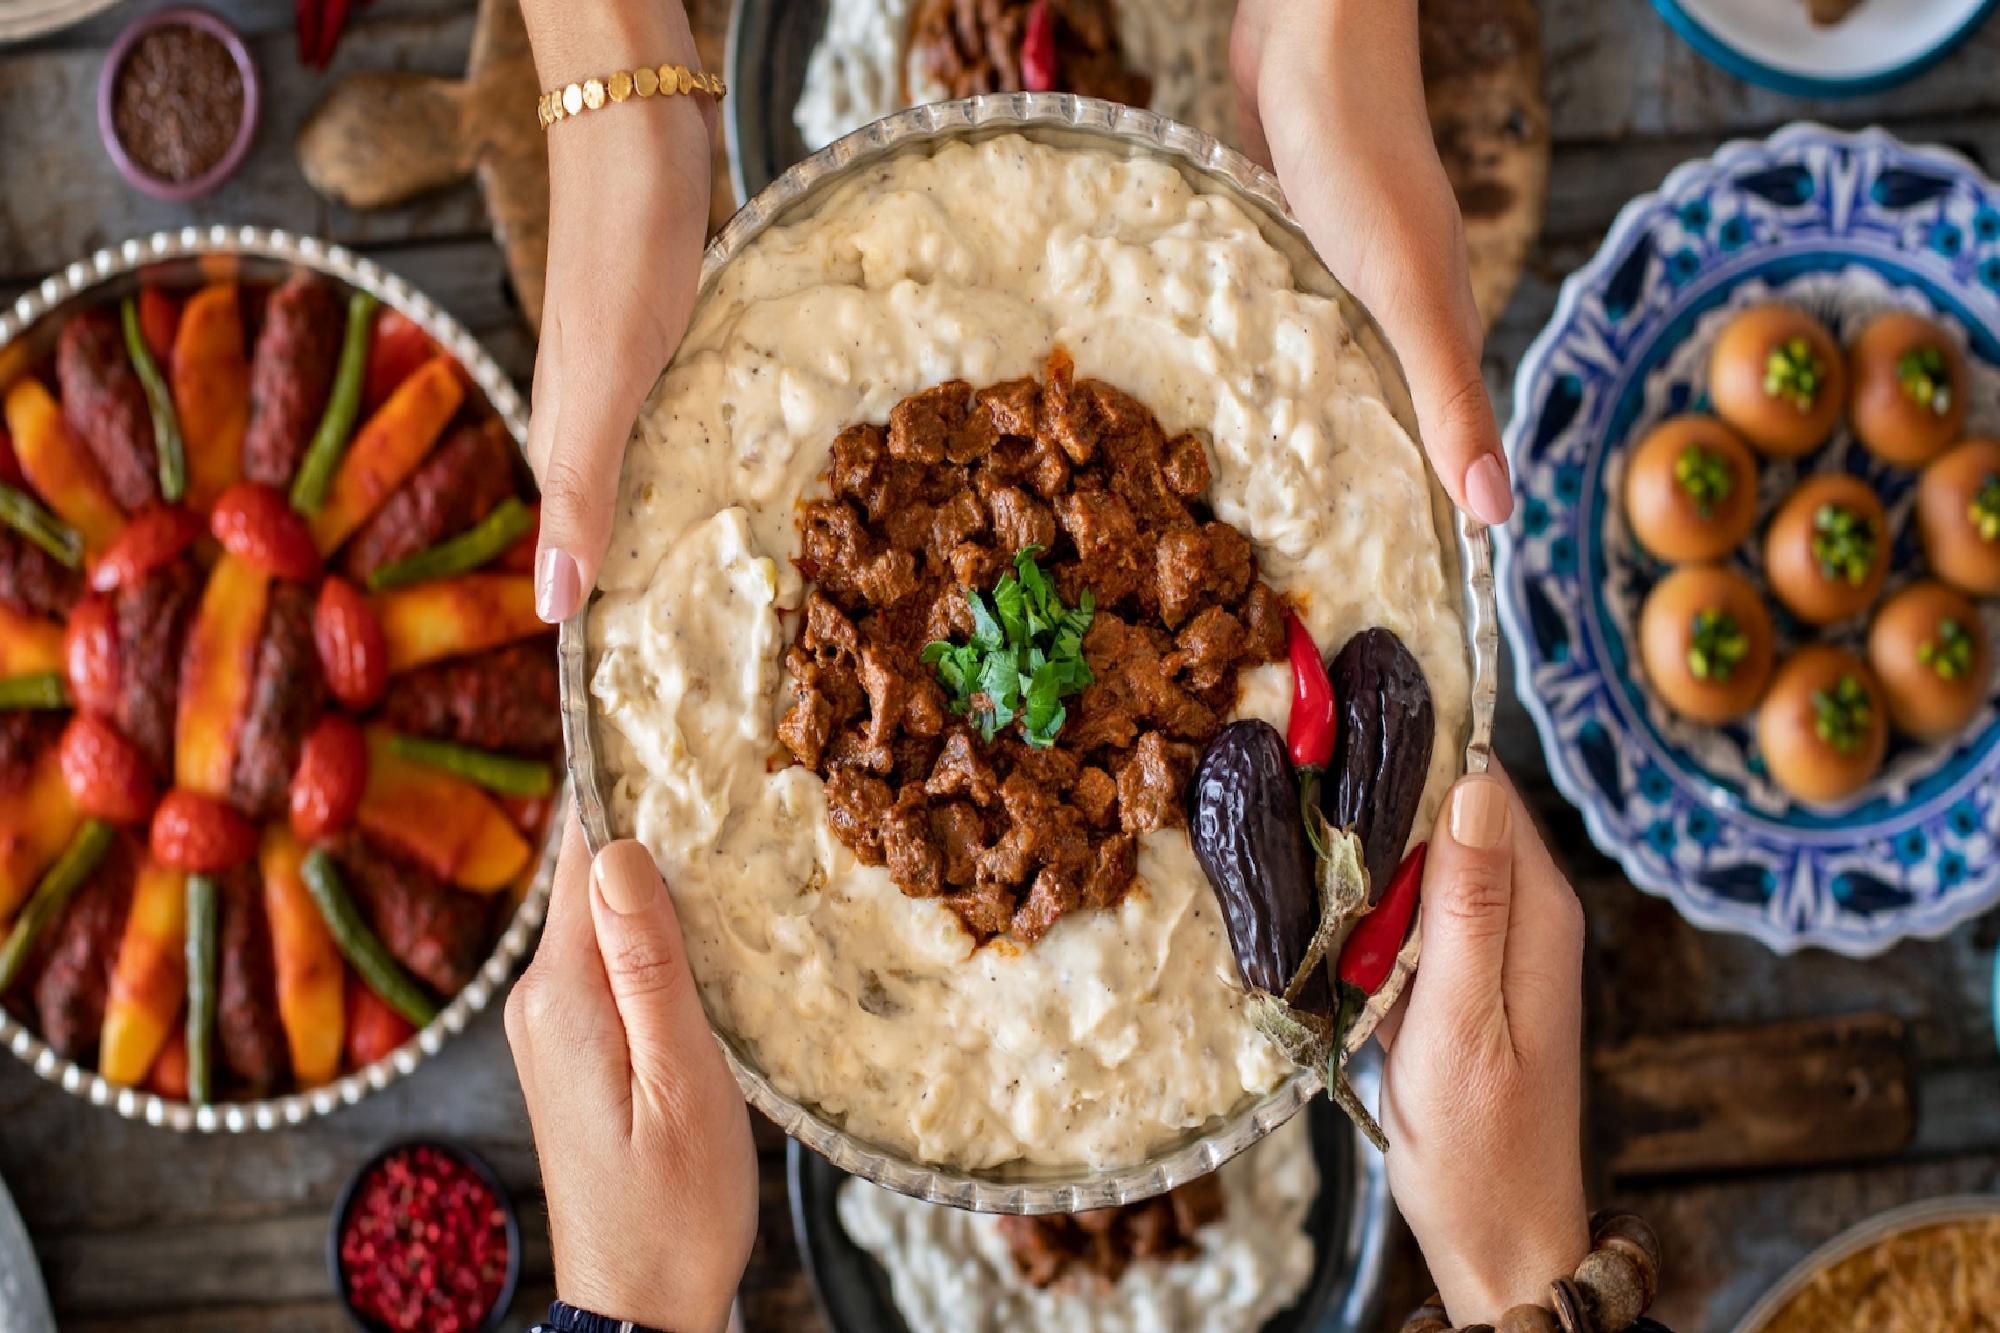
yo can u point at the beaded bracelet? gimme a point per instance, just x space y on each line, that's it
1610 1292
573 99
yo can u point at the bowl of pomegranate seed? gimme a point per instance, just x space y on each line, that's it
425 1239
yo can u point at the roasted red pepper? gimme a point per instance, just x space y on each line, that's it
1369 954
1315 719
1038 49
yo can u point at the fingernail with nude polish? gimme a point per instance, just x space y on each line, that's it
1479 813
558 586
626 877
1487 493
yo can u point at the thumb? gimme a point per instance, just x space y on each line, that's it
1468 897
645 960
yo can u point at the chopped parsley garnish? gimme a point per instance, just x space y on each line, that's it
1025 657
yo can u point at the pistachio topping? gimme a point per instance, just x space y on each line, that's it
1926 378
1984 511
1795 373
1841 715
1950 653
1843 543
1717 645
1705 476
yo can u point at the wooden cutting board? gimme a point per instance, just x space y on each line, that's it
380 139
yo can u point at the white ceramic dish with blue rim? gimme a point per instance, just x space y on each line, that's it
1844 225
1775 43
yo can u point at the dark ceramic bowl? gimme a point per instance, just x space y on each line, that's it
480 1167
184 16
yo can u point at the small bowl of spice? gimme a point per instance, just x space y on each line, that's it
425 1240
177 103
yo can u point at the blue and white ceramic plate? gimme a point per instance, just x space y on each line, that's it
1844 225
1775 43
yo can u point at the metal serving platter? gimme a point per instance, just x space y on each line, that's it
1064 120
188 255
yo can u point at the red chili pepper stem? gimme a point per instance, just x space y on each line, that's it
1315 719
1369 954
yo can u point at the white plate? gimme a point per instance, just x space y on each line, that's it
1773 42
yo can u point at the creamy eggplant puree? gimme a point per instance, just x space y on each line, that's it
862 64
1119 1030
951 1271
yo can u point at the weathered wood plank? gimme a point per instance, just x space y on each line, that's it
1804 1092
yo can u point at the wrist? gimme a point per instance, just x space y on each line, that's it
579 39
1515 1268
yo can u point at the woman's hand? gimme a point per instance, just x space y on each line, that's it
628 209
643 1137
1330 94
1481 1092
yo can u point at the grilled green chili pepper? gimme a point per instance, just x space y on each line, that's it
503 773
40 689
329 442
166 424
204 908
58 885
360 944
478 544
24 514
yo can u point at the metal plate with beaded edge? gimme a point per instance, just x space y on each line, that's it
257 252
1070 121
1840 223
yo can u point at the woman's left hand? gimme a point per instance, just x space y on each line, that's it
1330 93
644 1139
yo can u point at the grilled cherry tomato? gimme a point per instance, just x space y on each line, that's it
373 1028
200 834
397 349
333 770
159 320
106 774
352 652
154 538
90 654
258 525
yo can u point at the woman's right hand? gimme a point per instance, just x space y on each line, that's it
628 209
1482 1088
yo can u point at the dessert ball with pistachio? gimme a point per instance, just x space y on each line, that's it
1823 728
1910 388
1827 549
1958 516
1928 647
1691 490
1777 376
1706 643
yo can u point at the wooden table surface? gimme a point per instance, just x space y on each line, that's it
143 1231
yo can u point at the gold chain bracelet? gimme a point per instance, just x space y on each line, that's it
573 99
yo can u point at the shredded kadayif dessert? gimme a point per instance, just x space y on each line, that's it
1923 1281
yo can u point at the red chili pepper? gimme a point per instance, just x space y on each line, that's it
305 17
332 18
1369 954
1315 719
1038 49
